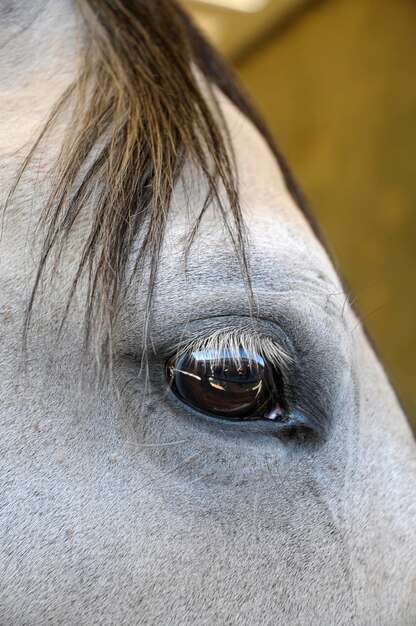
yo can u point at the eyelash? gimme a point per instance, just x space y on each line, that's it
250 340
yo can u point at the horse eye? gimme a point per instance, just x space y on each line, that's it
224 384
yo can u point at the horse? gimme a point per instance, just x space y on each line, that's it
195 428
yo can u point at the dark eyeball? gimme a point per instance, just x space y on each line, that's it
225 384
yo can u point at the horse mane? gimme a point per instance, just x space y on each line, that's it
140 111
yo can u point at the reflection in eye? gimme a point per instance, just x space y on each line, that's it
231 383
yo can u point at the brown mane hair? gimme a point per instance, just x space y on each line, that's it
140 112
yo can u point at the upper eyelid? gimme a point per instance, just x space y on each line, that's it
286 317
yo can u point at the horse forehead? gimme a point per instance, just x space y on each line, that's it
261 184
281 243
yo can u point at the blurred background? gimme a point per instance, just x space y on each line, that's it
336 82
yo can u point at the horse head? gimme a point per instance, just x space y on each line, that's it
197 429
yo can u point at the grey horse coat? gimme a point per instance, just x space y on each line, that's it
122 505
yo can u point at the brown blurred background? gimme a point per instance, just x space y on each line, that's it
336 82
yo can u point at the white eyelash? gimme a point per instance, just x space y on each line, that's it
250 340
